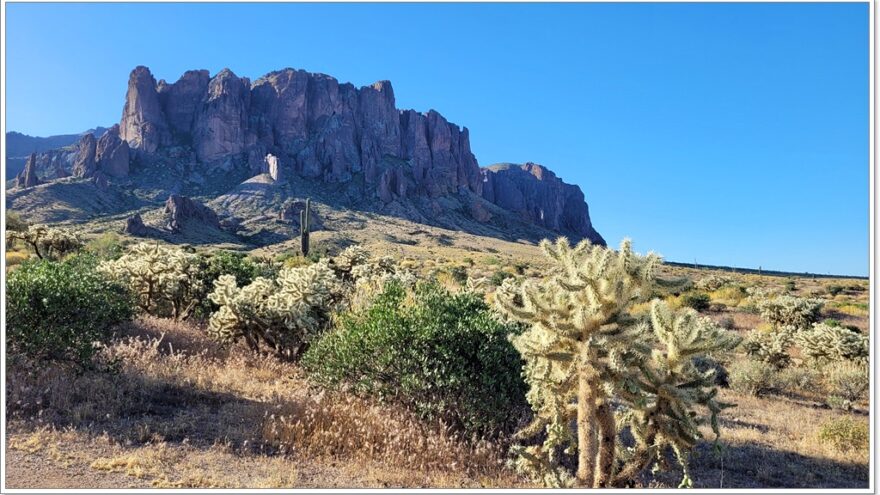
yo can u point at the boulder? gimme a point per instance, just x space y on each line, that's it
181 210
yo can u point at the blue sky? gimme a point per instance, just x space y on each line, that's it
730 134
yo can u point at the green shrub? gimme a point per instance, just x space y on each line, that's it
845 434
459 274
58 310
835 289
15 222
847 384
107 245
443 355
696 300
790 285
751 377
499 277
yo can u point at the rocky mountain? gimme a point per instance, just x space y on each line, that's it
311 135
20 146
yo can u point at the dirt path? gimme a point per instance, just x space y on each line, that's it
35 470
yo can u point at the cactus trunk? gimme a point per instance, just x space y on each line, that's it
304 227
587 441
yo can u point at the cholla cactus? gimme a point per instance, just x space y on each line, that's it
824 344
770 346
791 311
662 396
164 279
580 330
284 313
47 242
712 282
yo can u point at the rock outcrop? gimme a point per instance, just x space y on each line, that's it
112 154
85 165
143 123
538 196
181 210
134 225
28 176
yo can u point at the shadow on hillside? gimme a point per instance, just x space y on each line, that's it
757 466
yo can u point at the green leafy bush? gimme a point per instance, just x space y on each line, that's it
751 377
441 354
696 300
845 434
58 310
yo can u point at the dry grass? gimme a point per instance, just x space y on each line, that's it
171 409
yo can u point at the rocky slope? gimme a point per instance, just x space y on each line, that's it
204 135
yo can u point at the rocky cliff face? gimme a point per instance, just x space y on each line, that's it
294 124
318 127
538 196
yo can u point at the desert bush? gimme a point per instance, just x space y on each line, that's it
770 346
824 343
440 354
752 377
459 274
15 258
847 383
729 296
712 282
47 242
165 280
106 246
584 351
834 289
845 434
283 314
790 311
499 277
15 222
790 285
695 300
799 379
60 310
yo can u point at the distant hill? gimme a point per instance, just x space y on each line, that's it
19 146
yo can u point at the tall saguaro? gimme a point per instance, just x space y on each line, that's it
304 226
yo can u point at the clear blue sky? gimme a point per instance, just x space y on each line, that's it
731 134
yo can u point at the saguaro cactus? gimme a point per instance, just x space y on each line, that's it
305 218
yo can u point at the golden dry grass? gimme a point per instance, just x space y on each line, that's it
174 410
